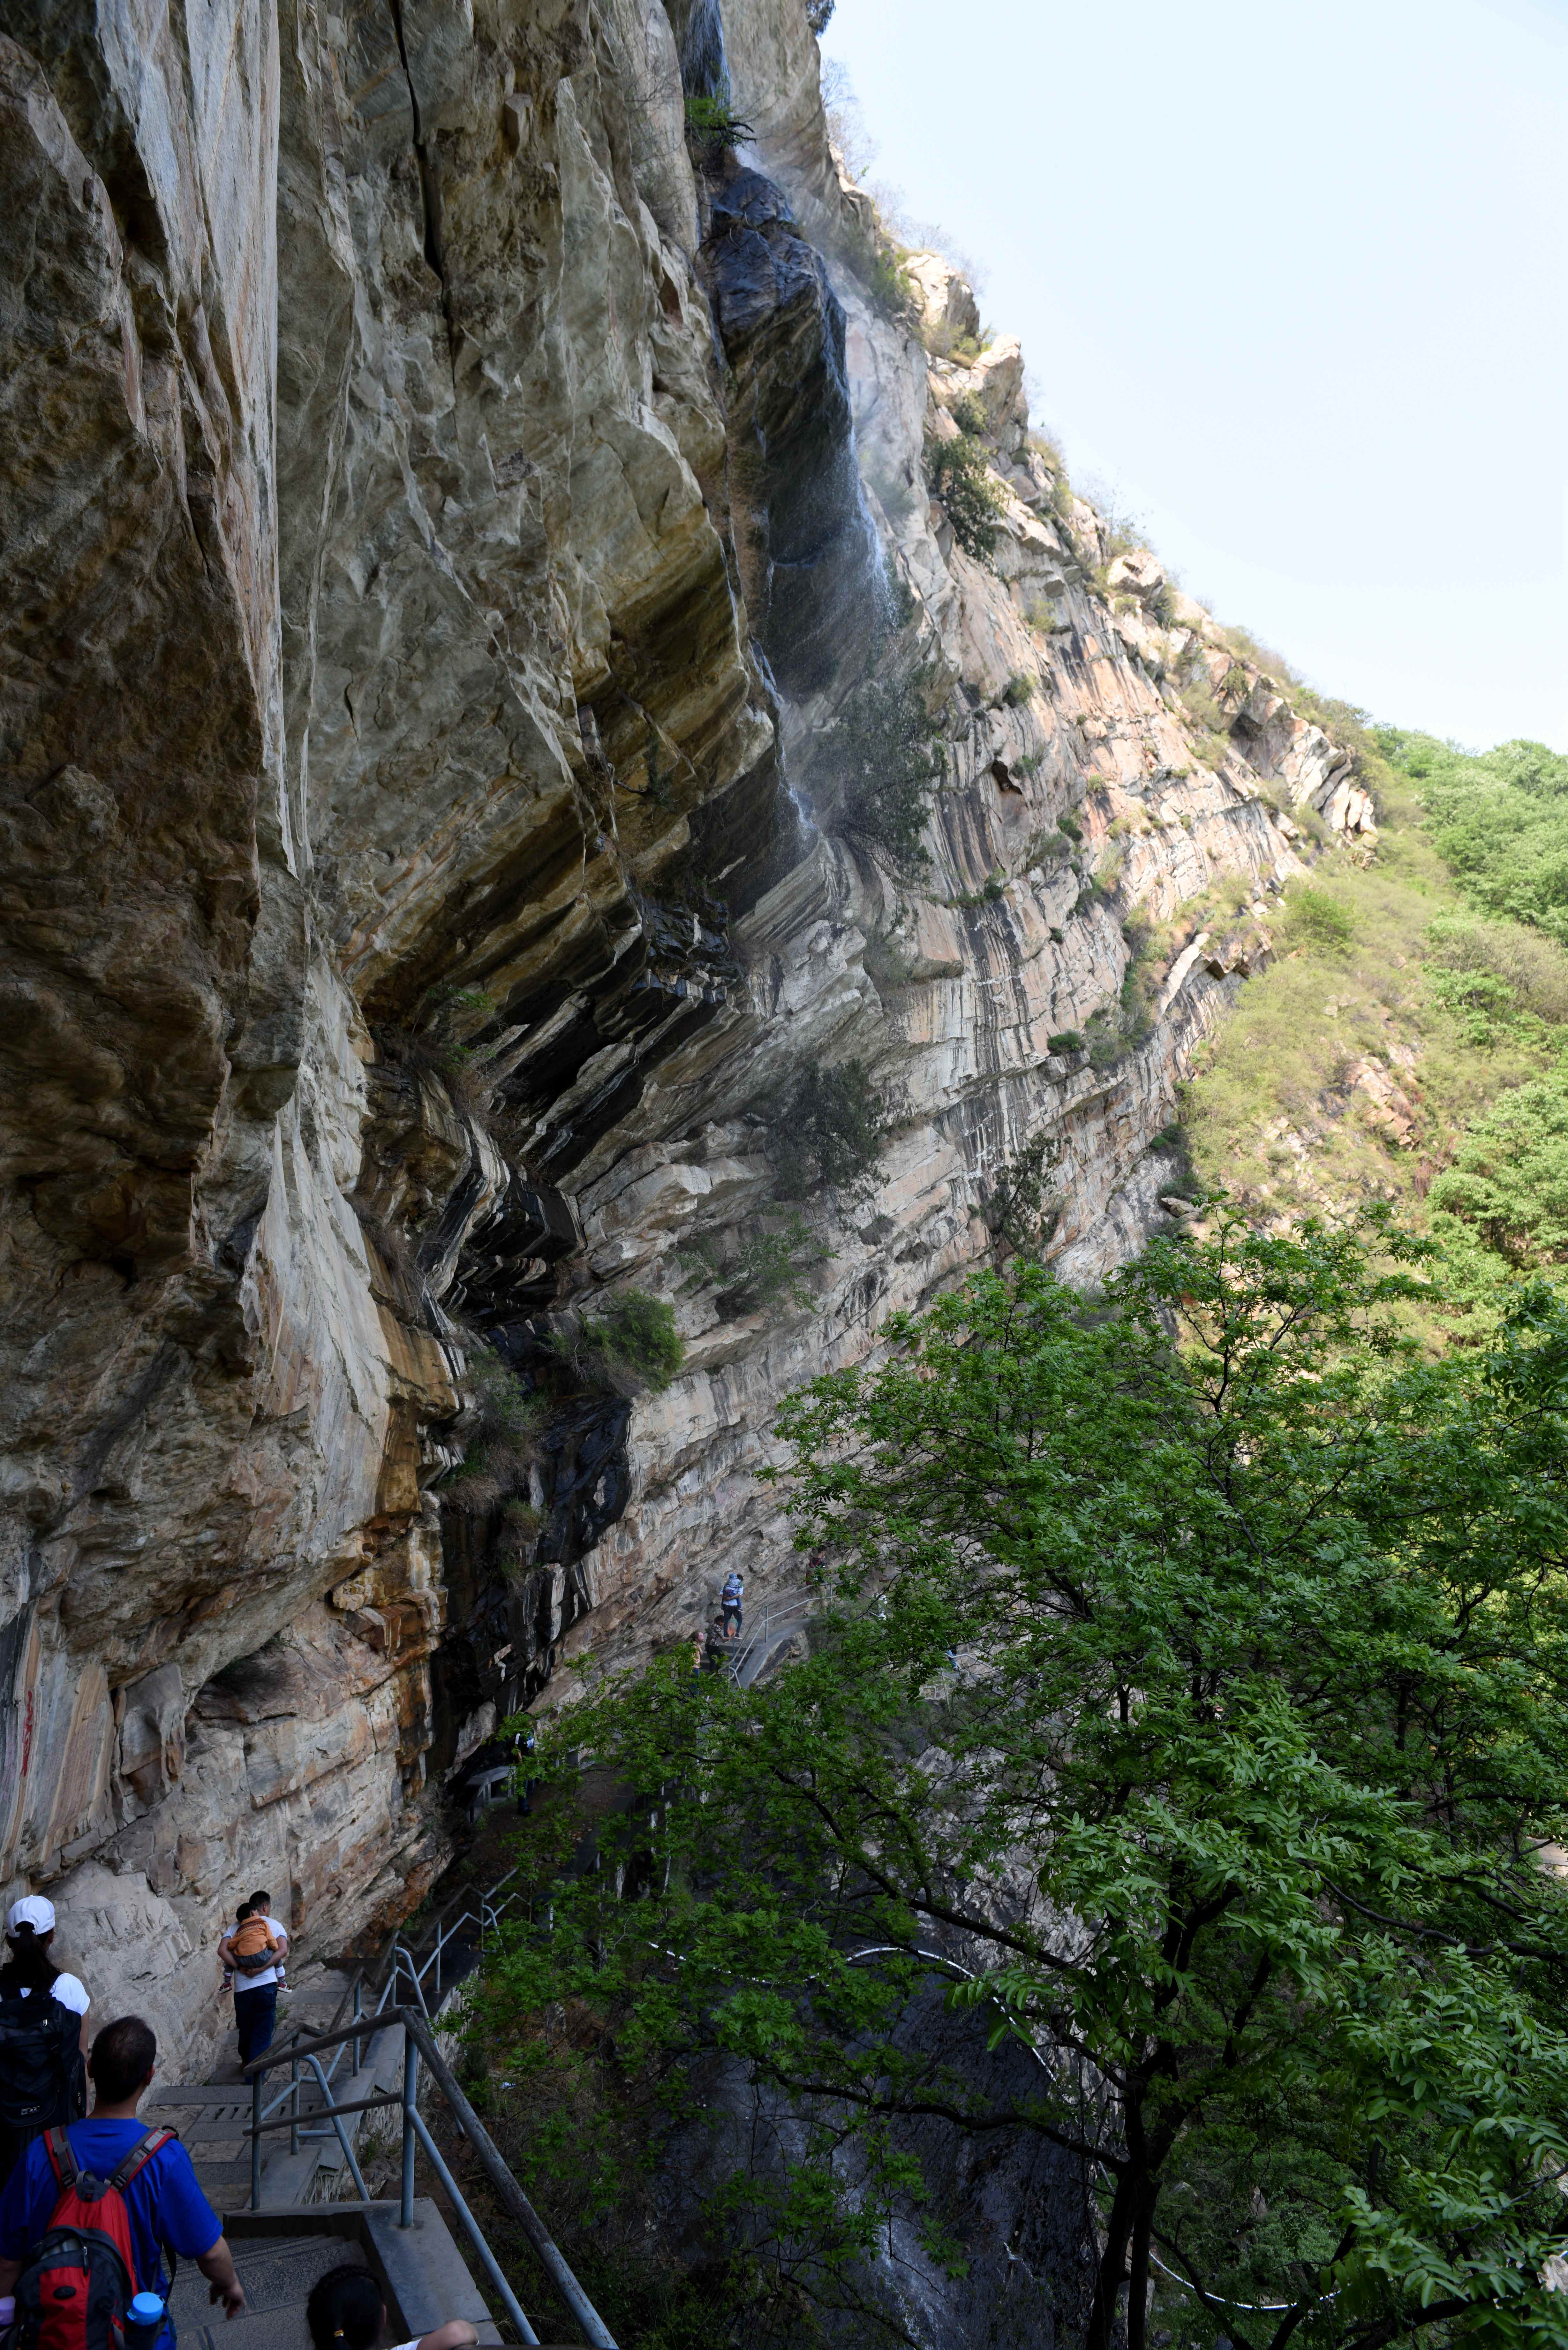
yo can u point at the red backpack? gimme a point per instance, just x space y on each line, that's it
80 2277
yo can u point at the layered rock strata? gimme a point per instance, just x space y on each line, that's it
447 520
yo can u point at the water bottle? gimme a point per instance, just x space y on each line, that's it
143 2321
7 2313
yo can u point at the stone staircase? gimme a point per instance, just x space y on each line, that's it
212 2123
277 2273
300 2230
213 2116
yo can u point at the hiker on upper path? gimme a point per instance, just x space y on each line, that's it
150 2173
730 1601
258 1971
43 2034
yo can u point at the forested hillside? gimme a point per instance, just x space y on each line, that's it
1407 1042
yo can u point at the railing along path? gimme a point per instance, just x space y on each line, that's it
405 1967
406 1970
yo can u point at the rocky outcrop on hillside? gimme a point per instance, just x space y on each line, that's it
458 523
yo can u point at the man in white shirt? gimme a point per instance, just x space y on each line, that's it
255 1996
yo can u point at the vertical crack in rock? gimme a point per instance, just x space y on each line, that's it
429 170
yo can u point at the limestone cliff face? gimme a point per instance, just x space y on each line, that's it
445 521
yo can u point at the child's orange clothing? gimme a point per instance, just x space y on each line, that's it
248 1941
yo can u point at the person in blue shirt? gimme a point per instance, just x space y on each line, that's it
163 2202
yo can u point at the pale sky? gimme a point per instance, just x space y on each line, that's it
1290 283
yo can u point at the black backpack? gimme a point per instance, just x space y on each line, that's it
43 2080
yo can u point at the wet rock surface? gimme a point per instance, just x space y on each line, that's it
437 523
806 545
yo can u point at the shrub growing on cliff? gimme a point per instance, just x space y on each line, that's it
1120 1028
946 341
1201 710
960 478
712 126
1023 1206
1190 1698
441 1043
630 1342
888 282
887 757
1314 917
773 1262
507 1420
829 1132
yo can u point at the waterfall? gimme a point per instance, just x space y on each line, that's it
803 812
812 562
875 553
704 72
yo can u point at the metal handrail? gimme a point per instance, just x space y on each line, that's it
418 2041
402 1960
792 1612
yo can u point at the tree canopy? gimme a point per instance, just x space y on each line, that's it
1186 1695
1500 817
1508 1175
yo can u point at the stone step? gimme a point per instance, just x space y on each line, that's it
218 2180
201 2092
278 2274
217 2103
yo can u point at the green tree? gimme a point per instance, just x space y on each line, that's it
1500 818
961 478
1189 1694
1508 1177
830 1131
884 757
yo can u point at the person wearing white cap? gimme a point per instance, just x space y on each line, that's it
43 2034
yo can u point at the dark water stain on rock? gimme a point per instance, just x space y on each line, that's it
806 543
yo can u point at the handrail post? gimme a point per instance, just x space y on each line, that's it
294 2107
508 2192
255 2140
343 2138
491 2266
359 2010
410 2100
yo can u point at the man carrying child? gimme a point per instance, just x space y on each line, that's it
253 1951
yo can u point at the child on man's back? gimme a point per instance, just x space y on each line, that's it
252 1942
250 1937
